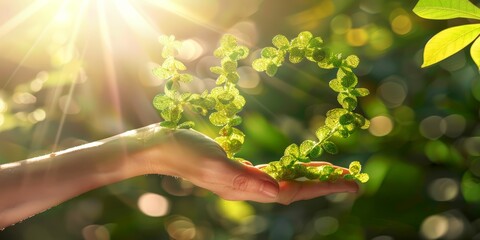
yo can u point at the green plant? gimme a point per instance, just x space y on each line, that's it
223 103
451 40
339 122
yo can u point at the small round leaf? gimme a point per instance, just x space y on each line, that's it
330 147
280 41
292 150
271 69
269 52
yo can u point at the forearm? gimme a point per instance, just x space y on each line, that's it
34 185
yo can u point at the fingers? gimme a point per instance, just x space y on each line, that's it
251 187
291 191
252 184
235 181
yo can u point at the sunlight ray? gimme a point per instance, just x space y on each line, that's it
135 19
22 16
70 47
179 11
106 43
34 45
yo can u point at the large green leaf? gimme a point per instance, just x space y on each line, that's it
475 52
448 42
446 9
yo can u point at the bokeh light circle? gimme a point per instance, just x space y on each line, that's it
380 126
153 205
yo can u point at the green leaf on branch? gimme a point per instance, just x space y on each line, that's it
326 170
346 119
330 147
162 73
239 102
302 39
269 52
217 70
348 102
179 65
448 42
296 55
318 55
229 66
315 42
355 168
161 102
287 160
336 85
446 9
363 177
323 133
360 92
185 78
352 61
260 64
234 146
361 121
292 150
315 152
233 77
225 97
347 78
186 125
280 41
228 41
306 147
168 124
336 113
218 119
271 69
235 121
176 113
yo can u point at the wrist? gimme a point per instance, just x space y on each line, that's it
149 150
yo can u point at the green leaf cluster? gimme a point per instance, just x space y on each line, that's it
355 172
341 122
228 101
325 172
171 104
304 46
453 39
223 103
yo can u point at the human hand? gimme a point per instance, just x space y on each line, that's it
203 162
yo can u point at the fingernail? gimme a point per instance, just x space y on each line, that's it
269 189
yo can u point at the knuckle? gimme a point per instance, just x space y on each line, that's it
240 183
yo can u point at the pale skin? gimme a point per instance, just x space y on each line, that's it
34 185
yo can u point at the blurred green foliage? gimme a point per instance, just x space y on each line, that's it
422 150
